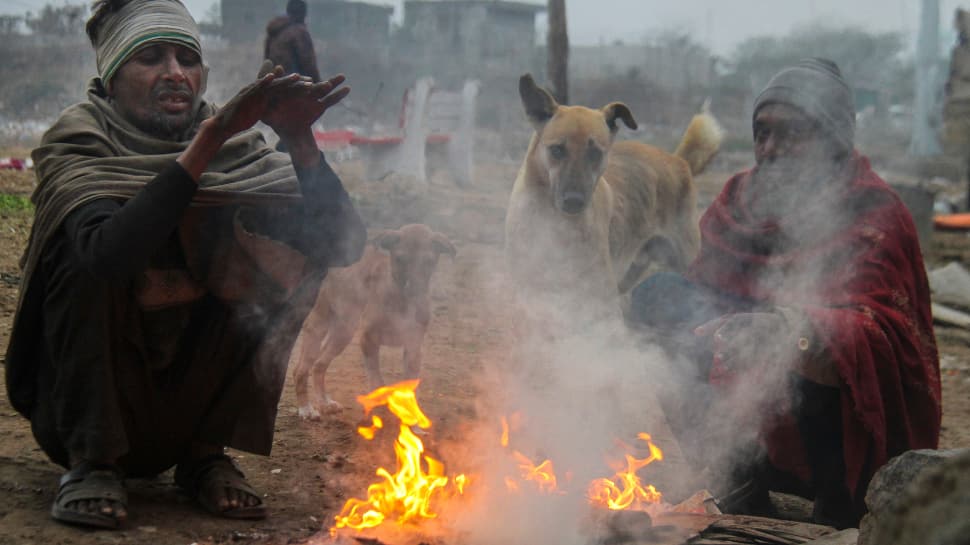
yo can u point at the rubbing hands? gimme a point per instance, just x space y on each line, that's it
295 106
742 340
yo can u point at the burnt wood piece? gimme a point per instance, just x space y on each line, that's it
758 531
368 541
743 530
624 526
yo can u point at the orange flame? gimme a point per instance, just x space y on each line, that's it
368 433
544 475
626 491
406 494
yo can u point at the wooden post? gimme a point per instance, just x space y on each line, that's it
558 51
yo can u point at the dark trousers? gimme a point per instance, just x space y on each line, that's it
672 307
115 382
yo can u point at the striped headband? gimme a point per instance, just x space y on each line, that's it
139 23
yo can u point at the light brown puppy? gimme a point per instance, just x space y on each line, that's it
387 290
587 217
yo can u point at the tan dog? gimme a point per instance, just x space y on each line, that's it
387 290
587 217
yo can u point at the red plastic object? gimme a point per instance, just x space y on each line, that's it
10 163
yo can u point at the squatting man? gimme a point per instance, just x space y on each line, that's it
172 260
809 305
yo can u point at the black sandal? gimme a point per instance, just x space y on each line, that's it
204 480
89 482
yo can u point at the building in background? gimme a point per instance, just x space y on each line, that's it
678 66
327 20
470 37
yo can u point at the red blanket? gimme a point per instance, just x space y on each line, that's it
858 274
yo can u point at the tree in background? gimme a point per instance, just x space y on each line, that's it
558 51
868 60
211 22
46 68
58 21
10 24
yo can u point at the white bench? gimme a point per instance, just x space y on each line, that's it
432 122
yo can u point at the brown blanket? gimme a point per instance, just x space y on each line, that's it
91 153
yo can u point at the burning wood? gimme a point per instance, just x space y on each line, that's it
624 526
406 494
627 492
544 474
418 487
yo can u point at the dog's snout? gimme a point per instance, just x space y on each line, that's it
573 202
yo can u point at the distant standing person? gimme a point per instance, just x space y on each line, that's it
288 42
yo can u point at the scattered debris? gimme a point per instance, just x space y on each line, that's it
951 285
950 316
247 536
953 363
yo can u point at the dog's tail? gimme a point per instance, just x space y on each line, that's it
701 140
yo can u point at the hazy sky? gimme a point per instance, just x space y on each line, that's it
720 24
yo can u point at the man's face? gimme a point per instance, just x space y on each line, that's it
783 131
792 151
157 89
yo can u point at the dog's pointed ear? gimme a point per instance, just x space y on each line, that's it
387 240
539 104
618 110
442 245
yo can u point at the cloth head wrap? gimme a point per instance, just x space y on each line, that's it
296 9
139 23
816 87
961 21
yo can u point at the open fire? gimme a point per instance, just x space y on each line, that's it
626 491
419 484
406 494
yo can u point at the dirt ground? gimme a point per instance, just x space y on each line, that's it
315 467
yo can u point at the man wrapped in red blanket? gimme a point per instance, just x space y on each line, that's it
809 305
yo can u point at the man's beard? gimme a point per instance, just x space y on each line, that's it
783 184
165 125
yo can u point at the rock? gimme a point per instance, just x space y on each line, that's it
920 498
889 482
951 285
